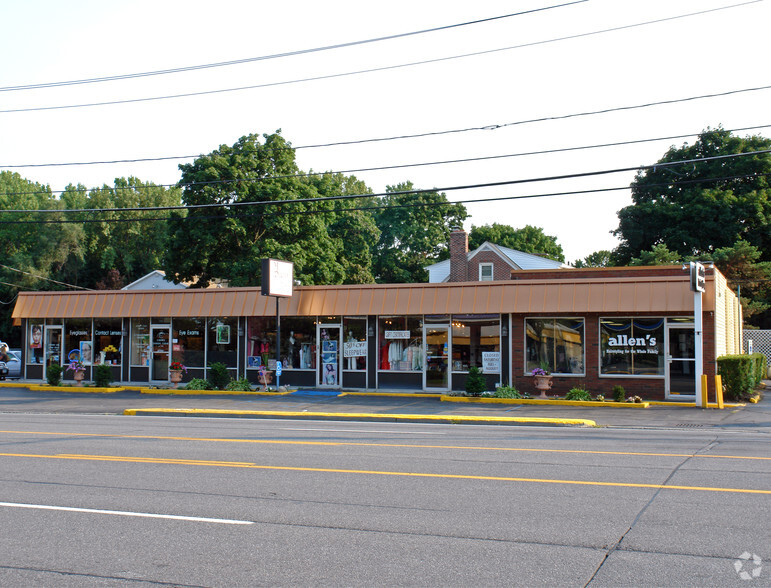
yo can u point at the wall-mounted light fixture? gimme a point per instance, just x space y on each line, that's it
370 331
504 331
240 331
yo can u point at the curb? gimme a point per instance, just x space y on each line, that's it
546 402
355 416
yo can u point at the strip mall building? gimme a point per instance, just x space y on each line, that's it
593 328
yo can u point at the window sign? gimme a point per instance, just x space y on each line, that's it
491 362
397 334
632 347
355 349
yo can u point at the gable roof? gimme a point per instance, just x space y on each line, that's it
519 260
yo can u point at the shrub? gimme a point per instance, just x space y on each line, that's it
578 394
507 392
739 374
102 375
198 384
619 394
241 385
54 374
475 383
219 375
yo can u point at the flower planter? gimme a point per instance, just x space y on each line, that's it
543 383
175 377
79 376
266 378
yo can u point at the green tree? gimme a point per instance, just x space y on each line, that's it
414 232
229 240
602 258
528 239
749 276
35 246
120 247
697 208
658 255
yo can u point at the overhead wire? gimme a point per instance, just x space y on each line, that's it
280 55
43 278
376 69
397 166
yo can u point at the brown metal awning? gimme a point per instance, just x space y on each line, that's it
650 294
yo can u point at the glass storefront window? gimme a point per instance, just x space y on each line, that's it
140 341
473 335
108 341
77 341
355 344
632 346
557 343
222 342
298 343
187 341
400 343
35 339
260 340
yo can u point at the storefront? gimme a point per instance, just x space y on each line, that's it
589 328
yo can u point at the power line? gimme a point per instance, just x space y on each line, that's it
398 166
302 200
389 206
278 55
43 278
374 69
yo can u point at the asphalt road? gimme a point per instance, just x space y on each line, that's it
326 503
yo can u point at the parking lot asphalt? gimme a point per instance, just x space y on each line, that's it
18 398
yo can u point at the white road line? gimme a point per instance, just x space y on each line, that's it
126 513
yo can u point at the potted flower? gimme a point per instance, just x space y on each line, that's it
175 373
107 353
543 379
266 377
78 371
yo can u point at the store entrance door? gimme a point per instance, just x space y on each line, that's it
159 361
681 361
328 337
53 347
436 376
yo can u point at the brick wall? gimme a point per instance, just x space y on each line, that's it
501 269
648 388
458 257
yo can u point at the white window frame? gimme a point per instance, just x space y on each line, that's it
492 272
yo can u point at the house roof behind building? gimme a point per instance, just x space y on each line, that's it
519 260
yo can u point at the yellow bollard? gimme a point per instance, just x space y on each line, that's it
704 395
719 391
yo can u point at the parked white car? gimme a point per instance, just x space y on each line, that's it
14 364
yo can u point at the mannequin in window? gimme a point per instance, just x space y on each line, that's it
351 360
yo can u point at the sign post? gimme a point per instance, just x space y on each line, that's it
277 280
698 283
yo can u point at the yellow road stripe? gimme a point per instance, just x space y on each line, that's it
240 464
394 445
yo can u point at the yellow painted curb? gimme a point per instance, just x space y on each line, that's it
356 415
692 404
173 392
544 402
78 389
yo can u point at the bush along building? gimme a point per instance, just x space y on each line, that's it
591 328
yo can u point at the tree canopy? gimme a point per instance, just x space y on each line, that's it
264 207
528 239
699 207
414 232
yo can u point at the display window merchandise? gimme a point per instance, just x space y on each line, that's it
595 328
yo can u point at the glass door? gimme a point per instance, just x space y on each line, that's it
436 376
53 346
329 356
681 361
159 362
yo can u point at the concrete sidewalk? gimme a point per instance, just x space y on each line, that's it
408 407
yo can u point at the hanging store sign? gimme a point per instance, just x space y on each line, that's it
277 277
397 334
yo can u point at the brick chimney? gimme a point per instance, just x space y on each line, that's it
458 256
